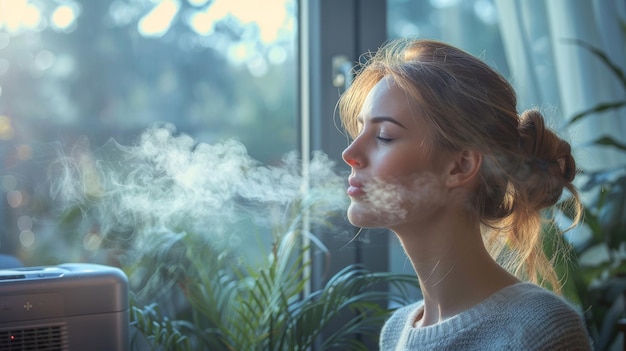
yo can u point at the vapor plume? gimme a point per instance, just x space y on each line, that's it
170 180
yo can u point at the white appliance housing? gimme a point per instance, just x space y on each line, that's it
69 307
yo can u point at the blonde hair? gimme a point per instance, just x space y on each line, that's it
468 105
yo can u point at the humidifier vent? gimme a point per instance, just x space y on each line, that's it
41 338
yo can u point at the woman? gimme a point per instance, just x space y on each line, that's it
441 158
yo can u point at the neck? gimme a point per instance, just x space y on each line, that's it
454 269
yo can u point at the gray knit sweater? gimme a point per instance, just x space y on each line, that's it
522 316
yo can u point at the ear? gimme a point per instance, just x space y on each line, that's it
464 168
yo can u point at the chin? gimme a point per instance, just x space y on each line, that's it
364 217
367 215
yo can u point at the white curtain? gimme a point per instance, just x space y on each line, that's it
560 77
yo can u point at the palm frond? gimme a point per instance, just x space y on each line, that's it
599 108
600 54
618 73
159 330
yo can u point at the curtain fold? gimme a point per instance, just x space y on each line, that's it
561 78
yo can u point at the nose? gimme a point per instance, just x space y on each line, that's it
350 156
353 163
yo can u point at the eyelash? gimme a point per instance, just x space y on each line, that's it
378 137
384 140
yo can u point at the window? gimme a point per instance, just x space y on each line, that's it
74 74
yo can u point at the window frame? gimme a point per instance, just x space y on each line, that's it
328 30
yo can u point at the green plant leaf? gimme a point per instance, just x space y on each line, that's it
599 108
617 72
614 67
159 330
609 141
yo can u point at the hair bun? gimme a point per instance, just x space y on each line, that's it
543 147
547 165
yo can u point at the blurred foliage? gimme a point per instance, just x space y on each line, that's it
231 305
159 331
596 275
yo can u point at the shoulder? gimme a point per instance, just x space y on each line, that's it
538 318
526 300
519 317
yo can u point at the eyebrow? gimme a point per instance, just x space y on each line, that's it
380 119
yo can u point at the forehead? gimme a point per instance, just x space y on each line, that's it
387 99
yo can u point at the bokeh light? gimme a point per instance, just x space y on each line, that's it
64 17
15 198
18 15
44 59
25 223
92 241
270 19
6 128
27 238
24 152
158 21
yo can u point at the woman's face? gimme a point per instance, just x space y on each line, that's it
396 179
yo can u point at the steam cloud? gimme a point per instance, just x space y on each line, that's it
391 201
170 180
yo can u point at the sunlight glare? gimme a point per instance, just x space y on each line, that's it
239 52
271 18
202 22
18 14
158 21
64 17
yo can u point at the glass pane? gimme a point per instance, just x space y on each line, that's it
74 74
471 25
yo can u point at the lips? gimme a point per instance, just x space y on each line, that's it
356 188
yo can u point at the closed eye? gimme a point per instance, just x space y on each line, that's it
384 140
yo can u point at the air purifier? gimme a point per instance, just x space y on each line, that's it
68 307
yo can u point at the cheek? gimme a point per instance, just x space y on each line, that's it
405 166
389 203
